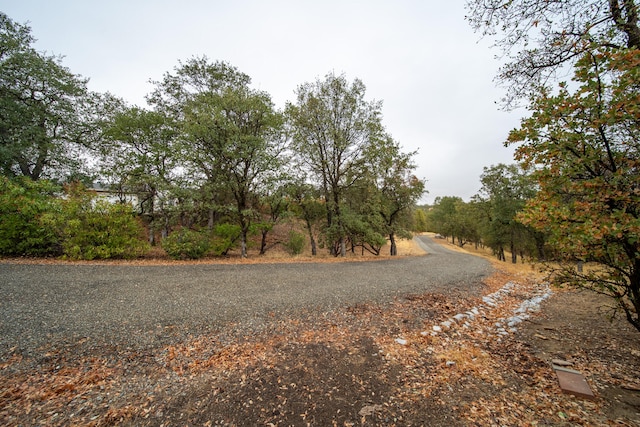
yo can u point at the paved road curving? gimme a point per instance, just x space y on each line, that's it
53 304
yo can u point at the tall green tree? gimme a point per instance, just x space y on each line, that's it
235 139
505 190
332 127
442 218
398 189
273 208
420 219
46 112
585 145
189 80
309 207
470 218
230 136
362 223
138 156
582 137
197 187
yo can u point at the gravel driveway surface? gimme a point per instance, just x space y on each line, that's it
51 305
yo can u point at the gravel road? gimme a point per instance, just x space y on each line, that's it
57 304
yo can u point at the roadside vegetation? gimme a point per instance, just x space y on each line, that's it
209 165
581 141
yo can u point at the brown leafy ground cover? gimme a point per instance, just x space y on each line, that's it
368 364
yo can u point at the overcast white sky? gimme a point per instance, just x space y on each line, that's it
420 57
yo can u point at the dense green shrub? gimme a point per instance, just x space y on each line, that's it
225 237
295 244
107 231
96 229
186 244
24 205
36 221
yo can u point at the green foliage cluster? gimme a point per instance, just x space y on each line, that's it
420 220
38 221
363 229
296 242
365 180
97 229
23 228
585 145
186 244
491 217
106 231
225 237
582 138
49 118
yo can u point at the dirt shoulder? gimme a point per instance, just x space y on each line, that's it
576 326
419 359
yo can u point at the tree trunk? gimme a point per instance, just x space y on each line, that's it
152 214
634 295
540 247
501 256
210 222
314 249
343 247
243 244
165 230
263 242
626 22
514 255
394 247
